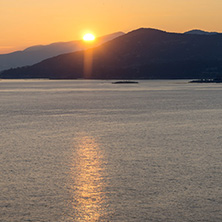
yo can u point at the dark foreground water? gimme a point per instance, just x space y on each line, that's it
94 151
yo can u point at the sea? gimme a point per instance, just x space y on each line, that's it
90 150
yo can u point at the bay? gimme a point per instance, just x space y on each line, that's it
89 150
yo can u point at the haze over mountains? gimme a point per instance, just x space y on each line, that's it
38 53
140 54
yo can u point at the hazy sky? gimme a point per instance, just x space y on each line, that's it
29 22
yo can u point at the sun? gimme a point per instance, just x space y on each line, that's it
89 37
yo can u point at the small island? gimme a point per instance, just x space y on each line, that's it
216 80
125 82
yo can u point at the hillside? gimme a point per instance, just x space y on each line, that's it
38 53
140 54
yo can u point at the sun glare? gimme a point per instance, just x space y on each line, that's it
88 37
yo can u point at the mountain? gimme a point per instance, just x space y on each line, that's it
200 32
38 53
140 54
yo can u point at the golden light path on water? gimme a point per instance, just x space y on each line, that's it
88 180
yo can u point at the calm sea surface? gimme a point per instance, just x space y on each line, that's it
95 151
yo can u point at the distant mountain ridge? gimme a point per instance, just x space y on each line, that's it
140 54
200 32
34 54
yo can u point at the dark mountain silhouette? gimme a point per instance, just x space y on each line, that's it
38 53
200 32
140 54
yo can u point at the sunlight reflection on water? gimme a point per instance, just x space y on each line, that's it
88 174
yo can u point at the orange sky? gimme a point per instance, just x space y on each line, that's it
30 22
